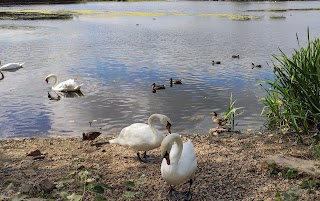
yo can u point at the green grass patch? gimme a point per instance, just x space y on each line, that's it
277 17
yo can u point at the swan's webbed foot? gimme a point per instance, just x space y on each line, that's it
173 194
186 196
145 156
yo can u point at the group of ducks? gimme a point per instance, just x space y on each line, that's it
156 87
179 161
238 56
9 67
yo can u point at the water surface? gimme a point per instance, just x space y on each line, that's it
118 60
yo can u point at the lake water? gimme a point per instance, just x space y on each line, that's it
118 60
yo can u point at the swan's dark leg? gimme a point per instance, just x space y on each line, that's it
188 195
145 155
140 159
173 194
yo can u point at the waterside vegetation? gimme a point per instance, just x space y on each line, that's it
293 97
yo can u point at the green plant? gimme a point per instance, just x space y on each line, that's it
131 192
231 113
291 173
86 182
273 171
293 97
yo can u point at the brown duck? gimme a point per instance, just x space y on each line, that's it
90 135
218 120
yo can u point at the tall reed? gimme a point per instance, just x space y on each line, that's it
293 97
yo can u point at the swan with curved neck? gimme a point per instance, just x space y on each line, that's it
179 162
11 66
2 76
65 86
143 137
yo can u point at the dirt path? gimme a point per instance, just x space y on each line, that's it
230 167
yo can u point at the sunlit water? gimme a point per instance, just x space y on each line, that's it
118 60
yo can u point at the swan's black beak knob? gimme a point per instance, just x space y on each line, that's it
168 126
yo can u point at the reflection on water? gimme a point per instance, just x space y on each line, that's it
117 61
58 95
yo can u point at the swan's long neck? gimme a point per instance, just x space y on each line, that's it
55 80
151 122
176 157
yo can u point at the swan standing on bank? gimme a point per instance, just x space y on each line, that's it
143 137
66 86
179 162
11 66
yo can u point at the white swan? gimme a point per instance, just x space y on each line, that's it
11 66
179 162
65 86
143 137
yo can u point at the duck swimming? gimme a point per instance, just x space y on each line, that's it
216 62
235 56
172 81
157 87
257 66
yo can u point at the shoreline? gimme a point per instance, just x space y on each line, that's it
230 167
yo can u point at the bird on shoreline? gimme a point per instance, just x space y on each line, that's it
143 137
179 164
90 135
218 120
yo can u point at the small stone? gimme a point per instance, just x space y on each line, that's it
30 172
25 188
46 185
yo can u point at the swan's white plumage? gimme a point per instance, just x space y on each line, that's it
65 86
183 161
11 66
140 136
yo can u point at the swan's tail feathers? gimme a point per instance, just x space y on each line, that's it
78 87
114 141
22 64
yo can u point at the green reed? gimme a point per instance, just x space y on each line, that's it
293 97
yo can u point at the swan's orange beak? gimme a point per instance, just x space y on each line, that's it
166 156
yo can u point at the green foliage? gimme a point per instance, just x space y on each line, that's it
273 171
291 173
293 98
231 113
132 185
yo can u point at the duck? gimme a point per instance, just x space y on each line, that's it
65 86
11 66
218 120
90 135
2 76
179 162
235 56
172 81
216 62
143 137
257 66
157 87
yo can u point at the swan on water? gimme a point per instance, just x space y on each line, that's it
65 86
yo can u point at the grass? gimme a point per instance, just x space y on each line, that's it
281 9
292 99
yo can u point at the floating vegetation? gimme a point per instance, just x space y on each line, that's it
277 17
34 15
233 16
16 27
281 9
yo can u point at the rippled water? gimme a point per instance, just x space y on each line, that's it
117 61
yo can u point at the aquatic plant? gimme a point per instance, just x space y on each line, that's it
277 17
231 113
292 99
232 16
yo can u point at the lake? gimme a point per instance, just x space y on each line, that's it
117 58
